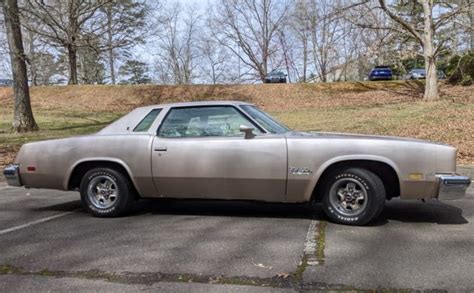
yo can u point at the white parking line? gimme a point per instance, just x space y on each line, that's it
19 227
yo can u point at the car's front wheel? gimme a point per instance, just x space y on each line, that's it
353 196
106 192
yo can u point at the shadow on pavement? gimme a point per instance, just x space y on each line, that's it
395 210
227 208
62 207
418 212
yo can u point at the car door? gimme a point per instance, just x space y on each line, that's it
199 152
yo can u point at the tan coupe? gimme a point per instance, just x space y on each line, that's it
233 150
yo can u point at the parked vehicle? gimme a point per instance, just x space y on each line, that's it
420 73
6 82
235 151
275 77
381 73
417 73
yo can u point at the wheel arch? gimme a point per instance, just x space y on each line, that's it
384 168
78 169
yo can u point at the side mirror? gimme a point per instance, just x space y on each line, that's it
247 130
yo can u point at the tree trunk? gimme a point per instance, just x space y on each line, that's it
110 47
431 87
32 59
471 18
111 65
360 67
72 56
305 59
71 47
23 120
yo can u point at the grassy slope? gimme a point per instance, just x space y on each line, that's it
389 108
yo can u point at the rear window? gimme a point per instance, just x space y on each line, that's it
146 122
382 70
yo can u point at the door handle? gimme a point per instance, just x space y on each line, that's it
160 149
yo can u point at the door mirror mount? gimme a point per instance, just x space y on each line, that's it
248 130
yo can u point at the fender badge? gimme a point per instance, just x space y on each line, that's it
300 171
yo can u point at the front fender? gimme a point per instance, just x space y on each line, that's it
361 157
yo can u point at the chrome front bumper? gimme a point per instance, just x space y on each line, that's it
452 186
12 174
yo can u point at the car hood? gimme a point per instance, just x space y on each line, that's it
351 136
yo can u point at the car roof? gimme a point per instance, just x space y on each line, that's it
194 104
125 124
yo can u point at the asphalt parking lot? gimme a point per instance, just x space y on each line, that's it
47 242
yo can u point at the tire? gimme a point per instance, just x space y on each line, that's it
115 197
353 196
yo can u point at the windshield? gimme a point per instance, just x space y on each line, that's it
265 120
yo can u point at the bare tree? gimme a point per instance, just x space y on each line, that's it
326 32
177 44
125 28
426 35
249 29
374 28
287 58
214 61
470 24
301 25
68 24
326 38
23 120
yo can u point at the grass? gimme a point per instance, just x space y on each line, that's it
386 108
55 124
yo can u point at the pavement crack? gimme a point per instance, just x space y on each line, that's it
315 243
150 278
294 281
313 253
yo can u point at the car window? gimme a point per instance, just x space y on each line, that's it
204 121
146 122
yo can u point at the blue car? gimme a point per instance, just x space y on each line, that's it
6 82
381 73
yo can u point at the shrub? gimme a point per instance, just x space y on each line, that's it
460 69
467 80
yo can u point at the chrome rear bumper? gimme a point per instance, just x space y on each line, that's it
452 186
12 174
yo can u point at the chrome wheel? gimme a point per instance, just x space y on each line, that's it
348 196
102 192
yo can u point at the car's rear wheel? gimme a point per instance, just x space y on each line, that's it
106 192
353 196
